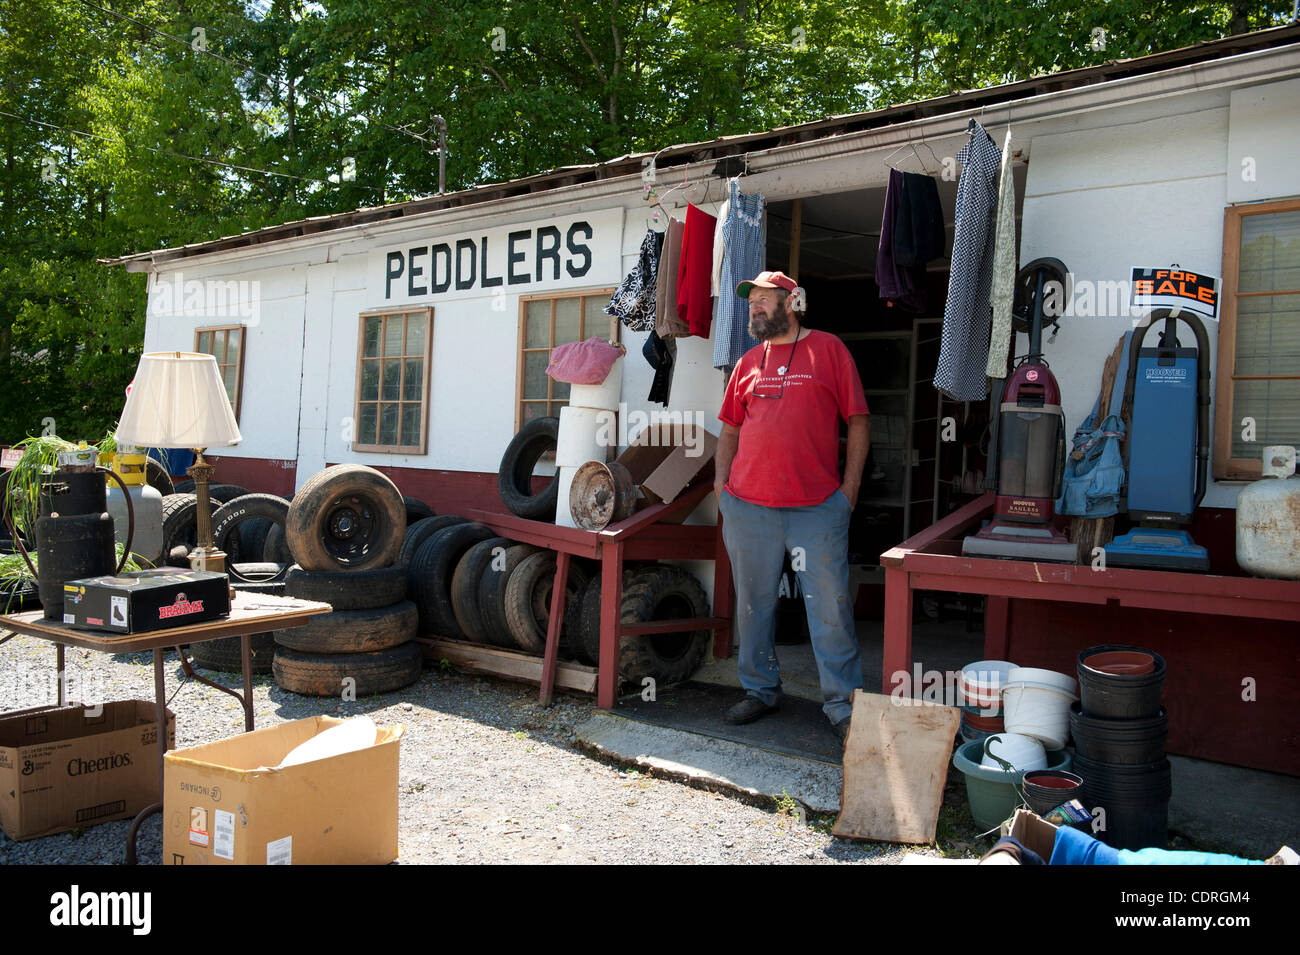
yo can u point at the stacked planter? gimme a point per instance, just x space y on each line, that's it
981 690
1119 731
345 530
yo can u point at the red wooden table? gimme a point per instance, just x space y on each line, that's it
643 536
932 560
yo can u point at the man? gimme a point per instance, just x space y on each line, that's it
779 489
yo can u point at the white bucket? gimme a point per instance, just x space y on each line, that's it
1039 710
1062 681
1023 752
581 432
605 395
982 682
563 512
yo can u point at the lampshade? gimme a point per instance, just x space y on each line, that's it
177 400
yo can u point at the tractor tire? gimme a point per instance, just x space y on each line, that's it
492 595
353 631
515 476
431 572
464 587
229 519
653 592
528 601
349 589
347 517
323 674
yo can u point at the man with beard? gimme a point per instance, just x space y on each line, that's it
779 489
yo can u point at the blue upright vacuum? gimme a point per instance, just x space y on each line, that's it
1166 456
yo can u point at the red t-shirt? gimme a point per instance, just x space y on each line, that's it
788 454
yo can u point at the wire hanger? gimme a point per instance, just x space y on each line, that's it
912 146
658 198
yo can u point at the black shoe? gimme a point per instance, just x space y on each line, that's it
748 710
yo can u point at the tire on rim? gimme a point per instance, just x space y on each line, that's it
232 517
492 595
353 631
347 517
464 587
324 674
348 589
515 476
654 592
528 601
431 572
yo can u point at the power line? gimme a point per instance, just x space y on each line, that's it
248 67
162 152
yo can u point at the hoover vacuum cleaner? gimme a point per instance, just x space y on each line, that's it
1029 444
1166 458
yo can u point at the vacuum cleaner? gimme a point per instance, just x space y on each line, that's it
1028 444
1166 458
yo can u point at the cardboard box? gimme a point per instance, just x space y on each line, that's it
63 768
145 600
222 805
664 458
1032 831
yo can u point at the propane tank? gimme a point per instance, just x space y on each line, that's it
1268 519
129 464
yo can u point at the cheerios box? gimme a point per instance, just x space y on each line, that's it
73 766
228 803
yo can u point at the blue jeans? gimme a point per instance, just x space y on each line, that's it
757 540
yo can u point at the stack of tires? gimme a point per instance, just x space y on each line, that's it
650 592
345 530
1119 730
239 529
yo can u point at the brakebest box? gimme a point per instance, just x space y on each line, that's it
224 805
68 767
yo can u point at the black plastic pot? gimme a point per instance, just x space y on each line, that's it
69 548
1135 799
68 493
1113 696
1045 789
1122 742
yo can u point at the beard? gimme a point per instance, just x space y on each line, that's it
775 325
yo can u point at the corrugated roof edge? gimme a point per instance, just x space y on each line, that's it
731 145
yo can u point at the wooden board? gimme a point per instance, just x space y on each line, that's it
895 767
507 663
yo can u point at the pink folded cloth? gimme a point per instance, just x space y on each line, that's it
583 363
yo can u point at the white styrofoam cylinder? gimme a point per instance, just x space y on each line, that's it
604 395
585 434
563 514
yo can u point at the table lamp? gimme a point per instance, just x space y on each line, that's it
177 400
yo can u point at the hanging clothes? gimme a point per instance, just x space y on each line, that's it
964 346
659 354
743 259
719 247
694 303
1004 267
903 286
633 302
667 324
919 235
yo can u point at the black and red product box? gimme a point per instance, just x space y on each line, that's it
145 600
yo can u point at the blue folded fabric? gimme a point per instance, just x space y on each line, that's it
1074 847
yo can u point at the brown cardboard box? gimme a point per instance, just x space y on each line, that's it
664 458
68 767
223 806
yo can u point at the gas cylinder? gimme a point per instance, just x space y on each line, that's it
129 464
1268 519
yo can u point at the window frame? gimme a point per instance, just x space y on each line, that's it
238 363
423 446
615 328
1226 467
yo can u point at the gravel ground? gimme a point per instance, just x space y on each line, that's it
487 775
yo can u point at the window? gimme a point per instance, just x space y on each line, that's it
1258 380
544 322
393 381
226 344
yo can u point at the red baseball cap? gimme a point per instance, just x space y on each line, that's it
767 280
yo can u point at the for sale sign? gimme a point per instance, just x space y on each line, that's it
1176 288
